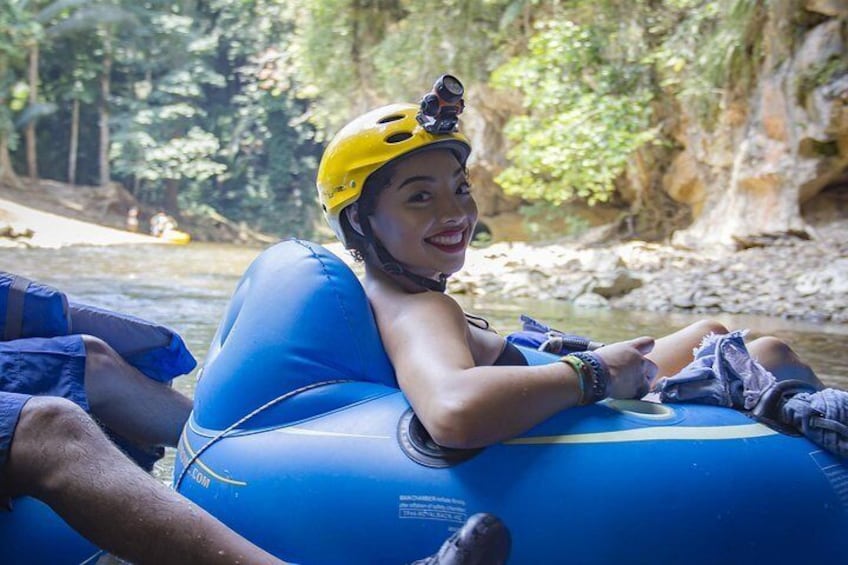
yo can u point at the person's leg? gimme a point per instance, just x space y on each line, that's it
140 409
673 352
60 456
11 405
782 361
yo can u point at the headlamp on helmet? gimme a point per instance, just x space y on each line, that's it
440 108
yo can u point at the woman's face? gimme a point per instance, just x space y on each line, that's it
426 215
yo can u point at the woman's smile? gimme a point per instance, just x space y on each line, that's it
449 241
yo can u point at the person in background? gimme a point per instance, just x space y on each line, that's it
132 219
161 222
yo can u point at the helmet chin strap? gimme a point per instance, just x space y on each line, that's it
393 266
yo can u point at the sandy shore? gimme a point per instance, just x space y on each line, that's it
29 227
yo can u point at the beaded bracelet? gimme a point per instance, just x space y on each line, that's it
584 376
600 375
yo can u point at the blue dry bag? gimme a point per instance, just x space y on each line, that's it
155 350
31 309
536 335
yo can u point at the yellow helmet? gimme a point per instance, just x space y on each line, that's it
366 144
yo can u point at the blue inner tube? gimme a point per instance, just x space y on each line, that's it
301 441
32 534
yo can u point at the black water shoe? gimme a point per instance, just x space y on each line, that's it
483 540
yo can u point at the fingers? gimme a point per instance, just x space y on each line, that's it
650 369
649 372
644 344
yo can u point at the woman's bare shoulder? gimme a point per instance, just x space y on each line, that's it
414 326
401 307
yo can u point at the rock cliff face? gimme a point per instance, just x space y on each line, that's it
488 113
747 175
775 149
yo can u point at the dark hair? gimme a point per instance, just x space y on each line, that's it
367 202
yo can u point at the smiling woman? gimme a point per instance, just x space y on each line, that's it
396 193
394 188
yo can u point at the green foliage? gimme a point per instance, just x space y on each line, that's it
187 156
16 29
347 56
456 36
539 217
162 134
713 50
17 95
588 111
271 158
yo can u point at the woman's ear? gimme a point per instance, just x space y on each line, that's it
352 212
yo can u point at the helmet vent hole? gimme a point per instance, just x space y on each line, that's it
398 137
392 118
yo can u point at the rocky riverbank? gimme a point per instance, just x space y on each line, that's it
791 278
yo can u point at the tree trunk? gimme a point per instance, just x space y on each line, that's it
74 143
105 86
29 133
7 173
172 205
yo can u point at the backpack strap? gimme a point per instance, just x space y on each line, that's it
15 307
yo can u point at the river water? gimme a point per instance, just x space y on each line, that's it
187 288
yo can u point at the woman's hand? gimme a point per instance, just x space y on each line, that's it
630 372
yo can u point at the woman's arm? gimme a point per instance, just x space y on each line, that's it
463 406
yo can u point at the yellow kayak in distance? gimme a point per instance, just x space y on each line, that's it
176 237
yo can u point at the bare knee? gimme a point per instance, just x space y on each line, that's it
673 352
770 350
99 356
707 327
105 373
50 433
776 356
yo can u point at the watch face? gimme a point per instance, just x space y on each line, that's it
452 85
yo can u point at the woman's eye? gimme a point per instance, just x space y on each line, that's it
419 197
464 188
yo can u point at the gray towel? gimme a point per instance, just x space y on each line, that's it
723 373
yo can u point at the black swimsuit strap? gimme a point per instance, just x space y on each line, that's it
510 355
478 321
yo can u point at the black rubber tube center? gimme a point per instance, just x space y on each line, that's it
417 444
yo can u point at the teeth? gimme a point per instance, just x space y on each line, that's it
453 239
